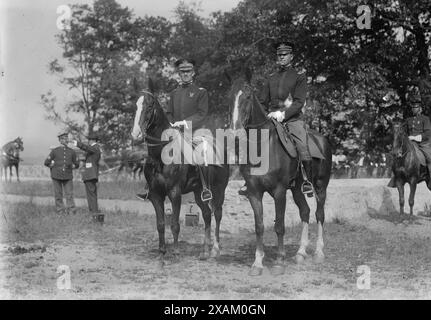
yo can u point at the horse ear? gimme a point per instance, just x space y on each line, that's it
228 76
248 73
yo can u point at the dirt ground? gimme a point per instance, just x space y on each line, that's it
118 260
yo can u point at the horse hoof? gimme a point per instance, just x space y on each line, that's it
255 271
277 270
215 253
300 258
319 258
204 256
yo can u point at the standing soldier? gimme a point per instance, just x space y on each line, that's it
61 161
283 97
187 103
90 175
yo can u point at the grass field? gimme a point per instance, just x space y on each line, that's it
118 260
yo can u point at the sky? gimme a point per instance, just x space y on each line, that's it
27 45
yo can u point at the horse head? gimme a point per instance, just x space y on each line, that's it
245 109
19 144
401 143
149 114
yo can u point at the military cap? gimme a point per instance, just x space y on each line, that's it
284 47
94 136
62 133
185 64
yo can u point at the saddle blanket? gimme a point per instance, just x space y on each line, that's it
288 144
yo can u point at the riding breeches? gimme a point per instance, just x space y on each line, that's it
299 134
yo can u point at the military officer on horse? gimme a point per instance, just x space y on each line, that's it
188 103
283 96
419 132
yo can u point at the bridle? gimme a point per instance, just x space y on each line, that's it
244 122
399 131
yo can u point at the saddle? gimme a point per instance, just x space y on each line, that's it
420 154
288 143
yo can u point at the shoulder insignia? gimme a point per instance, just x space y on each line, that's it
202 89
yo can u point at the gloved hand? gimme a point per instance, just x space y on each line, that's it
180 123
417 138
277 115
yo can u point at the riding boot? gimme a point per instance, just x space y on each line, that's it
429 176
307 187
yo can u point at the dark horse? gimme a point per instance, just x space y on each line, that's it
406 167
10 157
283 173
173 180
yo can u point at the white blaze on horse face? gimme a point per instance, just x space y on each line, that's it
136 132
235 115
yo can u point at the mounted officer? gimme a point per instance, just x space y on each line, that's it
419 132
187 103
283 97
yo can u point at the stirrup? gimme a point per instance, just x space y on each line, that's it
206 195
309 192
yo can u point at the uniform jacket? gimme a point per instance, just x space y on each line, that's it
62 160
281 85
188 103
420 125
92 158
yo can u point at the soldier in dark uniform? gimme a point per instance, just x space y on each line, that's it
90 175
61 161
187 103
283 96
419 131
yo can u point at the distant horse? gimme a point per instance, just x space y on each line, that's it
10 157
283 173
173 180
133 161
406 166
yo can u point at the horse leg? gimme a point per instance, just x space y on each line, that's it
304 213
17 174
256 203
159 206
175 197
320 219
217 207
280 208
413 184
10 174
400 187
206 214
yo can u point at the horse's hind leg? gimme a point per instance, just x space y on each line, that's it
206 214
218 200
17 174
304 213
413 184
280 208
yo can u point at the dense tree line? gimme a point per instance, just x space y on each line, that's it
360 80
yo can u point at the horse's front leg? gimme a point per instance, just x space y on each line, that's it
158 202
280 208
413 184
400 187
175 197
206 215
304 213
255 198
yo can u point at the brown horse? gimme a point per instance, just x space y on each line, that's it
406 167
283 173
10 157
173 180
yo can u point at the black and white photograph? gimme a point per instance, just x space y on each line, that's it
231 151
